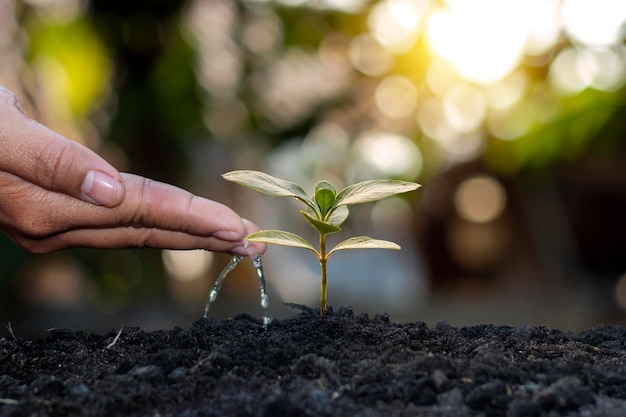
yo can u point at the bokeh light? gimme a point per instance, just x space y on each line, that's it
507 92
369 56
396 96
187 266
575 69
480 199
396 23
387 155
464 107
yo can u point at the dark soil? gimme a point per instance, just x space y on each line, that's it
340 365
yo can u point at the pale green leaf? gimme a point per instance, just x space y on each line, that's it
268 184
281 238
364 242
373 190
322 227
338 215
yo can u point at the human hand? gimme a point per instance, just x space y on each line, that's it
56 193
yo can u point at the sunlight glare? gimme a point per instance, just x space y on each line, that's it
482 39
599 22
544 27
408 13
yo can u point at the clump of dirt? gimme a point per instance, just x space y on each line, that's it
340 365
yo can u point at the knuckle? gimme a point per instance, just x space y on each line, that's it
33 223
7 96
33 228
32 244
54 162
146 238
146 199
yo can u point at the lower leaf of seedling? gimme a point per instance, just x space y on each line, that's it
325 211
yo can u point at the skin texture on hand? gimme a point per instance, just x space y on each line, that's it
56 193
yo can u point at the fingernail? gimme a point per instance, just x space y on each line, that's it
228 235
239 250
99 188
250 249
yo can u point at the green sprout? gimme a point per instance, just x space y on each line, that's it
326 211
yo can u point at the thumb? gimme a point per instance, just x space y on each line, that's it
35 153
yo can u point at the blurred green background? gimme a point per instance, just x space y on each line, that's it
511 114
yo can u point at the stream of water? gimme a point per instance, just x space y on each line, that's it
234 261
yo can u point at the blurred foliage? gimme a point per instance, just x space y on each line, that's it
84 70
588 119
157 104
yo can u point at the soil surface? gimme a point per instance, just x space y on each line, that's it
341 365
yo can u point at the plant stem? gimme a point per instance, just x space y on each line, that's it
323 259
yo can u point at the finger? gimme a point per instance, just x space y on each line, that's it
253 248
129 237
158 205
49 160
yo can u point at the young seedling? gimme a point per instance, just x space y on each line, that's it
326 211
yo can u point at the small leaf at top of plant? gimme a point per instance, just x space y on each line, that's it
338 215
268 184
373 190
325 194
364 242
281 238
319 225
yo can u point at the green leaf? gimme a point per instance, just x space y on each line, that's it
321 226
373 190
325 194
268 184
364 242
338 215
281 238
